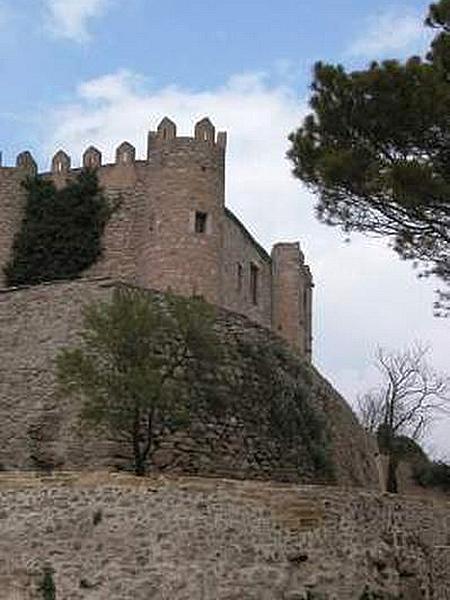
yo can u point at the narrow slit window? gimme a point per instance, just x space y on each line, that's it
239 277
201 219
254 283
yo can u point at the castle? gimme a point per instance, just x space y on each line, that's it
229 510
173 230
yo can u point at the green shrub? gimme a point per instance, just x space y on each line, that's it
433 475
286 385
61 230
47 587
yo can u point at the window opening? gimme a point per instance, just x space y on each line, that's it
239 277
254 283
200 222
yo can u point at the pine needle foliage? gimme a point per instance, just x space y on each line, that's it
376 152
61 231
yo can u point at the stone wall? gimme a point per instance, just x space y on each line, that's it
240 251
12 197
115 537
38 427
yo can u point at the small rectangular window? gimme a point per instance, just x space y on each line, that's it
200 222
254 283
239 277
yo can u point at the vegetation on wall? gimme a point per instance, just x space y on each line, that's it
286 385
61 230
134 368
47 586
149 365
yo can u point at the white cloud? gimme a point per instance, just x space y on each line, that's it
364 295
69 18
396 30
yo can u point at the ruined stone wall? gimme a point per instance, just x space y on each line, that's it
115 537
38 427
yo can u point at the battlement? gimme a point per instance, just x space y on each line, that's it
165 139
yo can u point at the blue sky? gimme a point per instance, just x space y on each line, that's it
77 72
47 47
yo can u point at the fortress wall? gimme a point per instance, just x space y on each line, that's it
38 428
125 233
240 251
12 197
118 538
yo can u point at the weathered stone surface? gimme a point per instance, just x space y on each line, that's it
115 537
39 428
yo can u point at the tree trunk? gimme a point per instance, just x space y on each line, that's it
139 466
392 483
139 460
141 449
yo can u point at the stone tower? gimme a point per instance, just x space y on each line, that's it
292 297
183 251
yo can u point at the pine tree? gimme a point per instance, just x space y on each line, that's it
376 151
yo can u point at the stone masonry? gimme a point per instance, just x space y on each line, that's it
113 537
39 427
173 231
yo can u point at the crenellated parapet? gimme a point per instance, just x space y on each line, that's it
204 139
26 163
164 140
92 158
61 163
125 154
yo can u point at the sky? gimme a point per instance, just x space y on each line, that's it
80 72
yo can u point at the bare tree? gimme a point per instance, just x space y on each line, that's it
410 396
